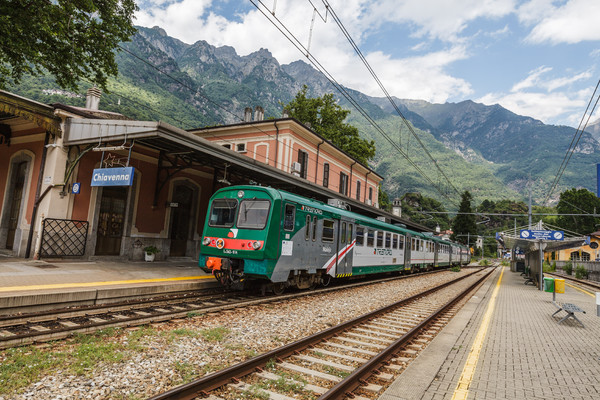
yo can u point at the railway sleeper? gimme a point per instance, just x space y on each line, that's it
306 386
244 387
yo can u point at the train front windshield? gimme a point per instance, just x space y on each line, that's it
253 214
222 213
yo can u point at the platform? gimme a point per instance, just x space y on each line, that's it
37 285
505 344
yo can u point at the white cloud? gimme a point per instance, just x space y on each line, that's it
535 80
547 107
439 19
573 22
414 77
532 80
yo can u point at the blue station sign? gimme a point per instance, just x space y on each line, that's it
543 235
112 176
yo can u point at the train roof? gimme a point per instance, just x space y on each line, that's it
283 195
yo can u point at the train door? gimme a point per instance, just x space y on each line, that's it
407 252
329 245
436 250
345 246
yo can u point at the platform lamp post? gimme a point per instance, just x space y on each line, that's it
540 242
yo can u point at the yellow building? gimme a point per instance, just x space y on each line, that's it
584 252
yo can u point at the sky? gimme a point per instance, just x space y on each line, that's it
538 58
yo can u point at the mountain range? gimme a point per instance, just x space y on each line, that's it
488 150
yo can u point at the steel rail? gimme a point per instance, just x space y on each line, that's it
359 377
105 311
202 386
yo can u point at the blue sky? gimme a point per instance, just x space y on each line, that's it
534 57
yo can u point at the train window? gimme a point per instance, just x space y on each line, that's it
388 240
314 229
412 244
343 233
370 238
360 235
222 212
350 233
288 217
380 239
395 241
401 242
307 233
253 214
327 230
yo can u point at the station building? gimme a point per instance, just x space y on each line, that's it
49 155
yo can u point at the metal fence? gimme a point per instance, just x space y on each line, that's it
63 238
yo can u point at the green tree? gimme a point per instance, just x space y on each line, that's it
70 39
578 201
326 118
415 206
464 222
384 199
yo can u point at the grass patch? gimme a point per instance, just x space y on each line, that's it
334 371
193 314
21 366
186 371
87 355
214 334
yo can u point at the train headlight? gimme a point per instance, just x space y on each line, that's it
241 194
206 241
256 245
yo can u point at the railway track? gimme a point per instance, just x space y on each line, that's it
355 359
584 282
18 330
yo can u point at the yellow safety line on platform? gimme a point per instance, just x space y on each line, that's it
581 290
93 284
462 388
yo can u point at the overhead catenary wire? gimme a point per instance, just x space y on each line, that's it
574 142
384 90
260 6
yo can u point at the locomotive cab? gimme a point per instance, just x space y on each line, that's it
235 234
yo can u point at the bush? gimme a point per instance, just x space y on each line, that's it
568 268
581 272
455 269
548 267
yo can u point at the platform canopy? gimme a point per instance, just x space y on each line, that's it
513 239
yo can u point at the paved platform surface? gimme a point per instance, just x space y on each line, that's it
59 282
505 344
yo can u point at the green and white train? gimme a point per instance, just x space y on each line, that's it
277 239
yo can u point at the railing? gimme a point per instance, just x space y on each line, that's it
63 238
593 267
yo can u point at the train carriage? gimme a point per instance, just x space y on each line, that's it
280 239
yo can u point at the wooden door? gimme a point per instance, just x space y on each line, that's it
111 220
181 216
18 182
